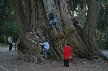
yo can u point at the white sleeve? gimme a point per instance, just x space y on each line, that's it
8 39
41 43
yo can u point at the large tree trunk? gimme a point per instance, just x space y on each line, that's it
89 31
32 23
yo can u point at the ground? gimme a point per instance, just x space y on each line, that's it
9 61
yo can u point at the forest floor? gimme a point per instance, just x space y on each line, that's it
9 61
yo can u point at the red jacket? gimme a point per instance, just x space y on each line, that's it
67 52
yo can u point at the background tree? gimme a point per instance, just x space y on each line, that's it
102 26
31 21
89 31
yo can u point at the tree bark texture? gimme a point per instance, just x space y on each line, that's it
32 24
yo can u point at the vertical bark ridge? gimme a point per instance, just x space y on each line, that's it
20 17
28 12
33 13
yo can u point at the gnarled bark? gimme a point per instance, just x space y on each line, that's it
33 28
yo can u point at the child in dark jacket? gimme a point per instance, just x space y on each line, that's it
52 21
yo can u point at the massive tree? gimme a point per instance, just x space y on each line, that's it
32 23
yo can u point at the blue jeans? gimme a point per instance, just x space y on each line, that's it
55 24
44 51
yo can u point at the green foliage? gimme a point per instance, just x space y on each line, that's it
79 9
2 39
102 40
102 22
74 3
7 29
6 10
7 23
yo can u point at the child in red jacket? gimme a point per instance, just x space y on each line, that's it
67 54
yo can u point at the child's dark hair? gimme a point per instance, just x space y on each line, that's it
51 13
68 43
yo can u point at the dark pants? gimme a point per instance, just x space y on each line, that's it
42 48
66 62
10 48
